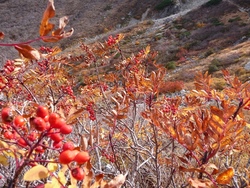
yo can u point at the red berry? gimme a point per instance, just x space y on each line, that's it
7 115
77 173
8 135
59 123
40 124
66 129
67 156
42 111
52 118
22 142
33 136
19 121
39 149
82 157
56 137
57 145
68 146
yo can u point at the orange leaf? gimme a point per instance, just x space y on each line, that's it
45 26
1 35
28 52
56 38
225 177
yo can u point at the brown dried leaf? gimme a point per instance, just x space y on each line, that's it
73 115
56 38
84 143
196 183
28 52
98 181
117 182
45 26
225 177
88 175
1 35
62 24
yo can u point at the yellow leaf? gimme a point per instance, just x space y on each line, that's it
225 177
36 173
53 184
147 50
3 160
52 167
61 175
3 144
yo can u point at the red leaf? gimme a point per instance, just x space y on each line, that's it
1 35
28 52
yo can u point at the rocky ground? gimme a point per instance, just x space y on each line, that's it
20 20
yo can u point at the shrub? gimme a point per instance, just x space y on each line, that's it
212 2
171 86
118 122
164 3
171 65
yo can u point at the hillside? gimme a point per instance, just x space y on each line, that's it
186 35
206 38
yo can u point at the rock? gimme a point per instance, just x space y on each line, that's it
247 66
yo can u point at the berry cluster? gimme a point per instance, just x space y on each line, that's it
43 65
108 156
91 111
34 134
68 90
70 154
9 67
112 40
170 106
46 50
30 133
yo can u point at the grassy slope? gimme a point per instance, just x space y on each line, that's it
201 39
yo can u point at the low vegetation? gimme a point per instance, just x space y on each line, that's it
117 128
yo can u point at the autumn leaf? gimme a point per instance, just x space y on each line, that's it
3 160
45 26
53 184
1 35
52 167
196 183
28 52
88 175
117 182
58 37
225 177
62 24
98 180
36 173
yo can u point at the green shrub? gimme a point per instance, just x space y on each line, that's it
171 65
214 66
216 21
163 4
212 2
